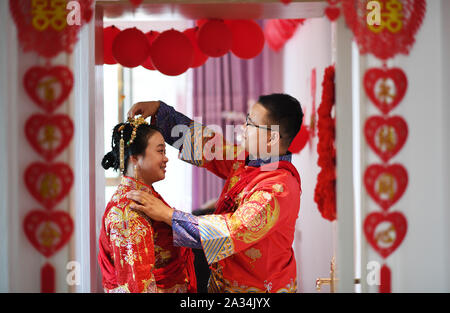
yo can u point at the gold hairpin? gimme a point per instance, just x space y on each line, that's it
136 122
139 120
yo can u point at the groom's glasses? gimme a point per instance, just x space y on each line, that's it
249 122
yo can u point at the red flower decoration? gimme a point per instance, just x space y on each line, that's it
325 191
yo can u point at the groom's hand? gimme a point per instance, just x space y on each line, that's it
146 109
150 206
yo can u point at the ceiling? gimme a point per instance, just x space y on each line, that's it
153 10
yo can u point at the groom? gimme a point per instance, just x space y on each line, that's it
248 240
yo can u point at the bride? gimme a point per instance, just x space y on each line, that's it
136 253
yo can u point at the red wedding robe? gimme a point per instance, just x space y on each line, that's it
248 240
137 254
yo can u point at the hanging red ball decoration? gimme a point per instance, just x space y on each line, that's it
199 57
172 53
214 38
151 36
109 34
300 140
130 48
247 38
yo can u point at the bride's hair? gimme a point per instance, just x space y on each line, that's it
137 147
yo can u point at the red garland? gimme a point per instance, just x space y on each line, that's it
325 192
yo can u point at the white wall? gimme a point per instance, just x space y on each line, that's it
445 16
421 262
309 48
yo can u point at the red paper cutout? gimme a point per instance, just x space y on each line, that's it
42 25
386 135
400 22
48 231
49 135
386 183
47 278
379 82
385 231
48 183
48 87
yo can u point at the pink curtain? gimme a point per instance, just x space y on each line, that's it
228 84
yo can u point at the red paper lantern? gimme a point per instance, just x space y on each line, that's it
109 33
136 2
214 38
130 48
247 38
300 140
151 36
172 53
199 57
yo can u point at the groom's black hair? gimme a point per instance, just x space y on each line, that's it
143 134
285 111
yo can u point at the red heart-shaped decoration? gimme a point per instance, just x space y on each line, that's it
385 231
48 231
48 87
48 183
386 183
386 135
385 87
400 21
49 135
332 13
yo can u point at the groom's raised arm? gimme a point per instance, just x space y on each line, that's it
198 144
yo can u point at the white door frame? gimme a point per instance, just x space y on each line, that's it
89 116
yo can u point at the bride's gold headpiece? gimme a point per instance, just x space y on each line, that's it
135 122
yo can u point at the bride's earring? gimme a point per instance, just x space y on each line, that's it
135 172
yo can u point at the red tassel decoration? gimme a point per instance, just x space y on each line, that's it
47 278
385 279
